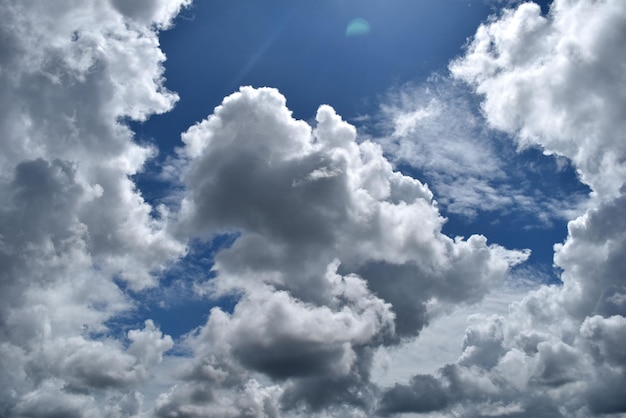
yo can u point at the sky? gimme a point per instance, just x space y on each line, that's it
330 208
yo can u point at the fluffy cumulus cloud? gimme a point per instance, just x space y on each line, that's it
551 81
556 81
71 221
337 257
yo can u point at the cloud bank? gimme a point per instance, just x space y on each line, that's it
337 256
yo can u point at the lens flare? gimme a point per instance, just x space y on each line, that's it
358 27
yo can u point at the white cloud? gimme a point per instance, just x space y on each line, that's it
254 170
338 257
70 74
553 81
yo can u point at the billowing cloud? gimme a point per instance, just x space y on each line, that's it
337 253
302 197
424 394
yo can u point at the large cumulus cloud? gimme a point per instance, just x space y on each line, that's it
337 252
302 197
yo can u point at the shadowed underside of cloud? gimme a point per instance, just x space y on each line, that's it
337 253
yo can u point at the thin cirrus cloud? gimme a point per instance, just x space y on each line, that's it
338 257
437 129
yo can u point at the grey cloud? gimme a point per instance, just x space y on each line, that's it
290 358
296 340
557 364
302 197
482 345
606 335
194 400
592 259
607 395
411 313
68 85
319 352
424 394
446 284
316 394
85 365
466 392
149 344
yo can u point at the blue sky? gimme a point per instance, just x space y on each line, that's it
302 49
330 208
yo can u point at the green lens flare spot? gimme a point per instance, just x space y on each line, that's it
358 27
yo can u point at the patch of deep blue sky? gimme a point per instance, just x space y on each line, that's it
301 48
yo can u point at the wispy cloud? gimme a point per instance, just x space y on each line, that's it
436 130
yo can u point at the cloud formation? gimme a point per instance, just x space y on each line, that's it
324 223
72 222
338 256
551 80
338 253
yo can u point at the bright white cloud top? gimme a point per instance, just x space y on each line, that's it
337 264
